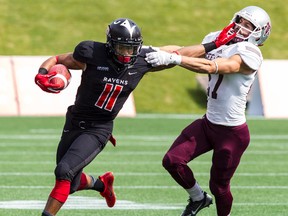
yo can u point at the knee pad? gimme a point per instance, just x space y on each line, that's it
171 163
218 189
63 171
166 162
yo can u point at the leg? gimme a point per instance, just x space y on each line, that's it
188 145
81 152
228 149
104 185
53 205
57 197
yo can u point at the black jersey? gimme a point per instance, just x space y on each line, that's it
104 87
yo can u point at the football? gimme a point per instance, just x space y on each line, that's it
63 76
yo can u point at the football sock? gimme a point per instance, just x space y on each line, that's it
196 193
98 185
61 190
83 182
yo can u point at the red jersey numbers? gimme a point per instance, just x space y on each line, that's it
109 96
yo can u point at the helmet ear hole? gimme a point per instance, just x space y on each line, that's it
237 19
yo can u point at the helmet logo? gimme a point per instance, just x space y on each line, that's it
267 29
130 28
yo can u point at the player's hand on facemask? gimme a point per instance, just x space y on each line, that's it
162 58
226 35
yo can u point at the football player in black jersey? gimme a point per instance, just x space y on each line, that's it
111 71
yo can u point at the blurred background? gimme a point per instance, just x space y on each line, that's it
44 28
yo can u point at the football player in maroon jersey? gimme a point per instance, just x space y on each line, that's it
231 70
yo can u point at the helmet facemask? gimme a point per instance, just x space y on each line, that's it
125 53
244 33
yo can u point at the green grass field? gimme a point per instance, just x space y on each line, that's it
143 187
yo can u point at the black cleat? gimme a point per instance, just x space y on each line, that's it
194 207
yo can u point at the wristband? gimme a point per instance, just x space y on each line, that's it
209 46
43 71
216 67
57 57
176 52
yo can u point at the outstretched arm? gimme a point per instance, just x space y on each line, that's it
225 36
234 64
219 65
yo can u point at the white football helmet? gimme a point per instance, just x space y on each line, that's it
260 19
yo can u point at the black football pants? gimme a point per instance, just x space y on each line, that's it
76 149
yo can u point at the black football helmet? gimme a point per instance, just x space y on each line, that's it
124 41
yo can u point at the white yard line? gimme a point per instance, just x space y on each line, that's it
80 202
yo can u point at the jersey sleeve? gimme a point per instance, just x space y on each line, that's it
83 52
151 48
210 37
249 53
147 49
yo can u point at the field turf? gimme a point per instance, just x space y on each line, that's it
143 187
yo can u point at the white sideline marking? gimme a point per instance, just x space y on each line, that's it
79 202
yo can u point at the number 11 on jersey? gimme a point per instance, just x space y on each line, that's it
109 96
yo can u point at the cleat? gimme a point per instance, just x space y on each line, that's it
194 207
108 193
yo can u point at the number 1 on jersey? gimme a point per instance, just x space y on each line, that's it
109 96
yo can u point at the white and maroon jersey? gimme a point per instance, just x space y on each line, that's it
227 94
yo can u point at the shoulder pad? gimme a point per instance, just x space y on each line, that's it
210 37
249 53
88 51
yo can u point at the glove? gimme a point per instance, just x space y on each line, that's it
162 58
43 81
226 35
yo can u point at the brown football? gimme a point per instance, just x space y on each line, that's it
63 76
